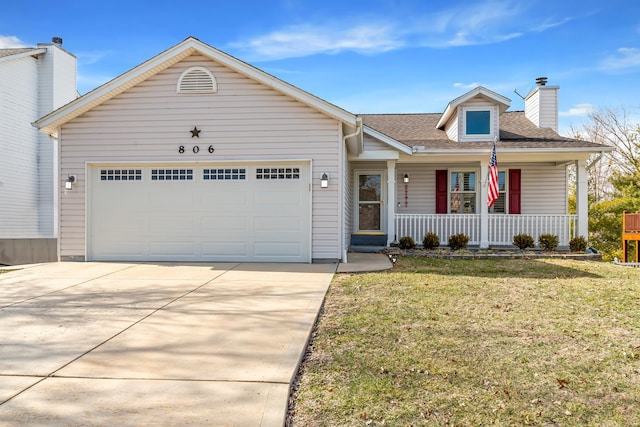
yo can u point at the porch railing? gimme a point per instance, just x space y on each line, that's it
501 228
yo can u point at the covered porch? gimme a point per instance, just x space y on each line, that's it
485 229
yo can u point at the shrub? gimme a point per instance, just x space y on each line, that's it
548 242
431 241
458 241
406 242
523 241
578 244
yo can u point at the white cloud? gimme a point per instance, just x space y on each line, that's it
91 57
305 40
468 86
487 22
7 42
578 110
628 57
551 24
464 38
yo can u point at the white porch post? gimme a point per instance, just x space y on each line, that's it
391 200
484 209
582 203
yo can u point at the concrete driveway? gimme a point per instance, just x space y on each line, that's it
154 344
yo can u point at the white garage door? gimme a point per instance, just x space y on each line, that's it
229 212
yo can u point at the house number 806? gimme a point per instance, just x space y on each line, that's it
195 149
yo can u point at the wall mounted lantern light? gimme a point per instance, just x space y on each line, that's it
68 184
405 179
324 180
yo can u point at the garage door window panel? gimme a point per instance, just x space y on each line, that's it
120 174
278 173
171 174
239 174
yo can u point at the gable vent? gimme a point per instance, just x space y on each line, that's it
197 80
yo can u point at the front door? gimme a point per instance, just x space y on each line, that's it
370 201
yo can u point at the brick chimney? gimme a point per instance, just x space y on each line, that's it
541 105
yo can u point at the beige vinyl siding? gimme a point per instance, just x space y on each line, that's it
420 189
349 204
532 107
347 199
452 128
372 144
541 107
244 120
544 189
549 108
19 144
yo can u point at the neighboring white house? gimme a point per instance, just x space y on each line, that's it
195 155
33 82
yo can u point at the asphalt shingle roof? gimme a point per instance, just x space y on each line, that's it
516 131
15 51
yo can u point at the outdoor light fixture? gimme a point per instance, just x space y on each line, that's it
406 178
324 181
68 184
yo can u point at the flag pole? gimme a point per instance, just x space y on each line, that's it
492 184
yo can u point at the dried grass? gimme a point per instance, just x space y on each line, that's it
476 342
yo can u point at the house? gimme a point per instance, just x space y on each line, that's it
33 82
195 155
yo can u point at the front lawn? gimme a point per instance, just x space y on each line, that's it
476 342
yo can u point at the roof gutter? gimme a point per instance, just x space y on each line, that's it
432 151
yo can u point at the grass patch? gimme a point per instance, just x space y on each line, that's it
476 342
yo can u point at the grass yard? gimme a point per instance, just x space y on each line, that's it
476 342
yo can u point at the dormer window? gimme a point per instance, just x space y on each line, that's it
473 116
478 122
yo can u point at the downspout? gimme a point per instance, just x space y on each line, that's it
56 190
344 165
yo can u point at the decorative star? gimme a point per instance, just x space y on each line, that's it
195 132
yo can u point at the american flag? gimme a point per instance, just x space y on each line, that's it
493 194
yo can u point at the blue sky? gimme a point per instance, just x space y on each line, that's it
390 56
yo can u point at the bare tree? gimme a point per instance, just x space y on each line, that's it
615 128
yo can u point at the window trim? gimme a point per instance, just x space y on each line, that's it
505 192
450 191
478 136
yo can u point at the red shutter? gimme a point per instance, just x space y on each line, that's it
441 191
514 191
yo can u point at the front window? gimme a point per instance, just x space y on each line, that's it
477 122
500 205
462 192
